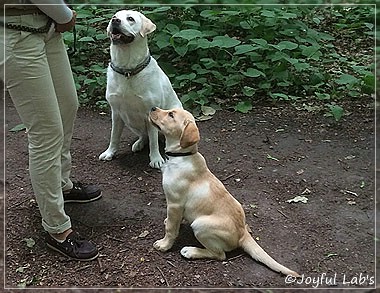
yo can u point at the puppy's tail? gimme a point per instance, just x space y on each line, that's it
256 252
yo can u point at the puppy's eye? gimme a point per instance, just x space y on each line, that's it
171 114
131 19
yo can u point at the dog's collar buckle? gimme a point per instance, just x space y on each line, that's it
130 72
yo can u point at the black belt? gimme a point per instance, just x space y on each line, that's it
43 29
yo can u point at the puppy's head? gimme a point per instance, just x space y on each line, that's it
127 25
178 127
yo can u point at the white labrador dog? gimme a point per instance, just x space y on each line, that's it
135 83
193 193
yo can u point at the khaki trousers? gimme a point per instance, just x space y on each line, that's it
39 80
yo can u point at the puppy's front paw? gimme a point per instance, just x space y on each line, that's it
107 155
156 162
188 252
162 245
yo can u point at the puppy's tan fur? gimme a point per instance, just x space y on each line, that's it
193 193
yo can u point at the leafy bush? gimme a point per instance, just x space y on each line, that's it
230 56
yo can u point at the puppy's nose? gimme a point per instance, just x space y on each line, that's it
153 109
115 20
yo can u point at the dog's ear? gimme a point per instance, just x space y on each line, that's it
190 135
147 26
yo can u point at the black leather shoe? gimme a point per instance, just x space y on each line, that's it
74 247
81 193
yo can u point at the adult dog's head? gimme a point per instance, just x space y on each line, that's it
127 25
178 127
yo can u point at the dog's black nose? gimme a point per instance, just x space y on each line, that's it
153 109
115 20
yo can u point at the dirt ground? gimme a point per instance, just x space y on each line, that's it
264 158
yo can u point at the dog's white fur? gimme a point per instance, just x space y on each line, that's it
193 193
132 98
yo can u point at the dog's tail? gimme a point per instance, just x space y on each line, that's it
256 252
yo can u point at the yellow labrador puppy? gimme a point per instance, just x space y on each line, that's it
193 193
135 83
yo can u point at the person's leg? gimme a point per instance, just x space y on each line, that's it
28 80
32 89
64 86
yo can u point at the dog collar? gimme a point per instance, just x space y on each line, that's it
131 72
171 154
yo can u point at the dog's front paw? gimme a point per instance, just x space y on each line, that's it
156 162
107 155
162 245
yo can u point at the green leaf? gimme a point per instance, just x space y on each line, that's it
346 79
224 42
182 50
101 36
208 111
204 43
188 34
29 242
192 23
323 96
86 39
18 128
336 111
190 76
243 107
248 91
370 26
279 96
252 72
316 20
261 42
301 66
171 28
268 13
287 15
242 49
309 51
286 45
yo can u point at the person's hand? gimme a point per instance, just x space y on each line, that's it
65 27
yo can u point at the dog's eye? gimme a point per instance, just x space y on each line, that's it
130 19
171 114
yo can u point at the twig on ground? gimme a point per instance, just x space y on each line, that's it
18 203
228 177
235 257
283 214
169 262
102 270
83 268
162 274
113 238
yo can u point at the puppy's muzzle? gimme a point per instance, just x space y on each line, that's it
154 116
118 36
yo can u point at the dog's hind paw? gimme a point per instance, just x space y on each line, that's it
189 252
138 145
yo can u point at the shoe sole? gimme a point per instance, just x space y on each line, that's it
61 252
83 200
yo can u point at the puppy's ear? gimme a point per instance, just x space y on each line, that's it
190 135
147 26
